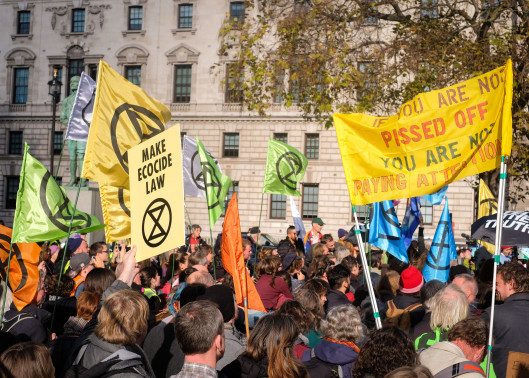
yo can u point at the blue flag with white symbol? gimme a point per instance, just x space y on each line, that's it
442 251
411 221
435 198
385 232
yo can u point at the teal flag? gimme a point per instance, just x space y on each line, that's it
43 210
285 168
216 183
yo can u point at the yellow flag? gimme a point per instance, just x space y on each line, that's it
436 138
115 205
487 202
124 115
157 186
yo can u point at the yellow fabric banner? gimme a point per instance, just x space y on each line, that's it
157 186
124 116
436 138
115 205
486 202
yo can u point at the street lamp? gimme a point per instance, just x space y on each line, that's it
54 91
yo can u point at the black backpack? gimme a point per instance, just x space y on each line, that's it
320 368
8 325
120 362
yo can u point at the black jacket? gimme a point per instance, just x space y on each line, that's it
285 247
510 330
33 327
245 367
336 298
404 300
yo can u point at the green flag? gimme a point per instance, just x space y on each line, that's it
43 210
216 183
285 167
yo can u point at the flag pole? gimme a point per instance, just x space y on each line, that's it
245 303
367 275
59 164
499 232
4 294
65 249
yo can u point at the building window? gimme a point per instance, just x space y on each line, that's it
234 78
185 16
231 145
234 188
282 137
278 206
92 71
135 17
75 68
133 74
367 71
309 201
312 146
362 212
237 11
78 16
57 142
182 83
429 9
20 85
426 212
11 191
279 88
15 143
23 21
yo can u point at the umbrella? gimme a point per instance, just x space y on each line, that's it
515 228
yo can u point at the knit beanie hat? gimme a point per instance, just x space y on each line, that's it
411 280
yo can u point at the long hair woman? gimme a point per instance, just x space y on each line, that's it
269 351
272 288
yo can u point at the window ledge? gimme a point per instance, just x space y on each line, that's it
133 32
77 34
191 31
21 36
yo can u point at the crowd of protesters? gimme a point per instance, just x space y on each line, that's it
99 313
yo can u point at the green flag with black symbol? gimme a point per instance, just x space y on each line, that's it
43 210
285 168
216 183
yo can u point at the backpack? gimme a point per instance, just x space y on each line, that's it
320 368
458 369
120 362
400 317
8 325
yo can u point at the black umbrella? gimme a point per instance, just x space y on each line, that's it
515 228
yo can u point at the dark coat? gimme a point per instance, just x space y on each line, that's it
245 367
162 349
336 298
285 247
404 300
327 354
510 330
30 329
64 309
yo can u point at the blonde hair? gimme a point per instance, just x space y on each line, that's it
393 278
448 306
116 323
343 323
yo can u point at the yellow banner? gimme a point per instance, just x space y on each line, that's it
124 116
157 186
487 202
115 205
436 138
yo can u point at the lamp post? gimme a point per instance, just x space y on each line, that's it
54 91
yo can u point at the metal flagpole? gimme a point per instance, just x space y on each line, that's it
367 274
65 249
499 231
4 295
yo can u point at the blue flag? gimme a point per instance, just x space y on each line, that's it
296 217
411 221
385 232
442 251
435 198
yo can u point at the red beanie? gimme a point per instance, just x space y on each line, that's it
411 280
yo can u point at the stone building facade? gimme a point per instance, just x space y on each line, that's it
169 48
